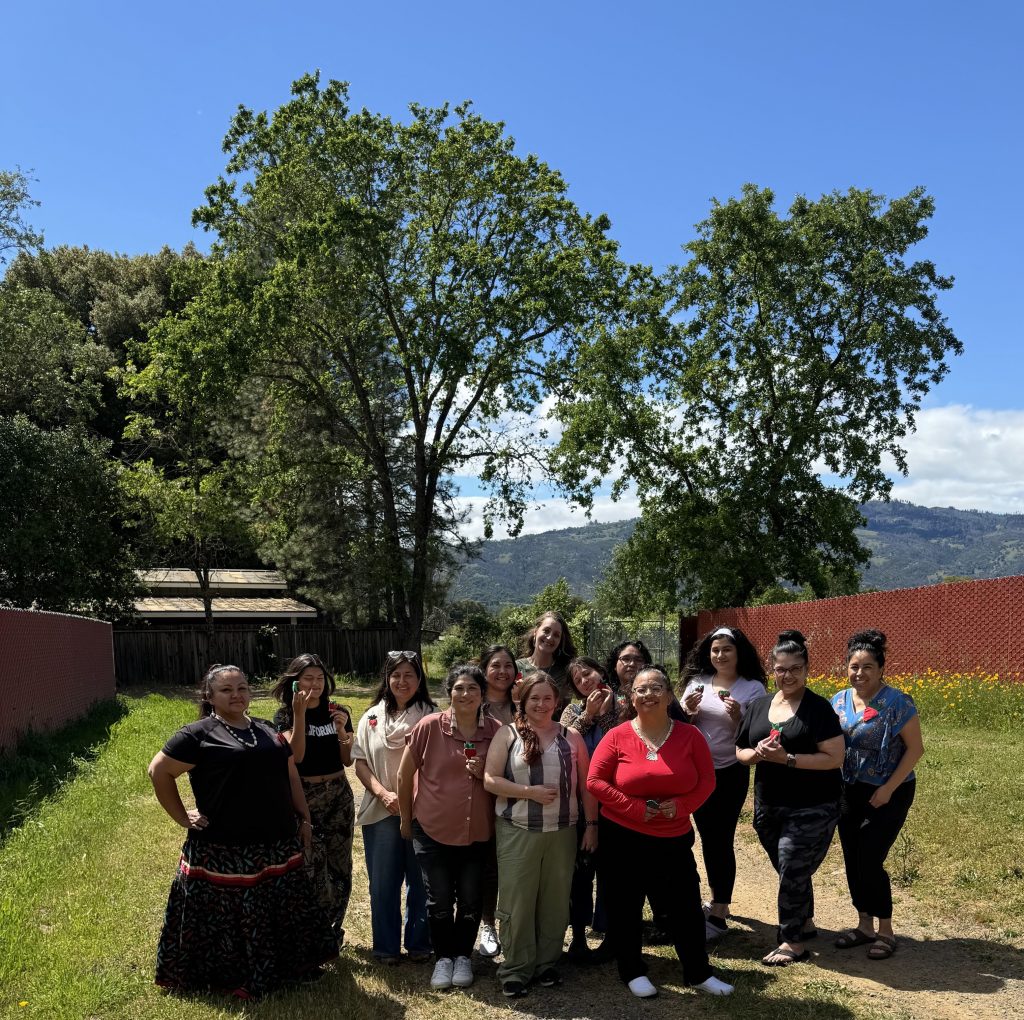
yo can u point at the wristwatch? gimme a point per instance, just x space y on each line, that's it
791 760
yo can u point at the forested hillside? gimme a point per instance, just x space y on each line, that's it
910 545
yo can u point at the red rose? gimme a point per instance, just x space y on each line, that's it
775 734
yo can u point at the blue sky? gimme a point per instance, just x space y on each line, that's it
648 109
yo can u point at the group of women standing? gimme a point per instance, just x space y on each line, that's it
495 815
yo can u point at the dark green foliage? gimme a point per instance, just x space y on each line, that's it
787 348
60 511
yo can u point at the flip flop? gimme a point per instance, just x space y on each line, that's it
789 957
884 947
851 938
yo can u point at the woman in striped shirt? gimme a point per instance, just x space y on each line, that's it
536 768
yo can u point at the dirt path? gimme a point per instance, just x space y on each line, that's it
938 971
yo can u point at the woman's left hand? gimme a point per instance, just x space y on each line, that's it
340 720
771 750
667 808
306 835
475 767
588 844
732 708
880 797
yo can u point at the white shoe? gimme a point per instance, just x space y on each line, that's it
713 986
442 976
489 944
642 988
462 976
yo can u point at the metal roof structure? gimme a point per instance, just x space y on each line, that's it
223 579
223 608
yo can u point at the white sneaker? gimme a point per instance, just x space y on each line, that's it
442 976
462 977
642 988
489 944
713 986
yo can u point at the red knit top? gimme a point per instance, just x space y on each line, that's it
623 780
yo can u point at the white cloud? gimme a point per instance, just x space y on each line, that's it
551 514
960 456
965 457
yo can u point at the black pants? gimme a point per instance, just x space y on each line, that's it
643 863
452 876
583 910
716 821
867 834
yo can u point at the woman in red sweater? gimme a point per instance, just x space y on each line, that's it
650 775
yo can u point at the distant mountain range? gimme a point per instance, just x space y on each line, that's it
910 546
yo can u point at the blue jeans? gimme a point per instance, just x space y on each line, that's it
390 861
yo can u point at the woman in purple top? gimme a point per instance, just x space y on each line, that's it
883 744
723 673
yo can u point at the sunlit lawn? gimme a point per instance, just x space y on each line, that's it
84 880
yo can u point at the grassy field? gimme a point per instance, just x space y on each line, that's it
84 878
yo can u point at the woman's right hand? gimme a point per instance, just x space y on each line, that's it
598 702
406 829
543 794
389 800
300 701
691 703
196 820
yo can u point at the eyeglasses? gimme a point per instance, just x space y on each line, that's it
655 689
791 671
403 655
631 660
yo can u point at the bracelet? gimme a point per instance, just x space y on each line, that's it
589 823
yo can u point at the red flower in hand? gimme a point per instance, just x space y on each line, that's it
870 713
775 734
373 721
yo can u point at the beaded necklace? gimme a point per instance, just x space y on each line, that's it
241 739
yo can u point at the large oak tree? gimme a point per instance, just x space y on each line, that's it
757 392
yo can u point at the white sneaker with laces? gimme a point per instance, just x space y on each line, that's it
489 944
442 976
713 986
642 988
462 976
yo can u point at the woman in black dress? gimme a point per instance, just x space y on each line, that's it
241 916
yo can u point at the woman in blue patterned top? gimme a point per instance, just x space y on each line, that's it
883 744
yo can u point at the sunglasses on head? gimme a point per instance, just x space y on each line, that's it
403 655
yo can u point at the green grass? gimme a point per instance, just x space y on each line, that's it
84 879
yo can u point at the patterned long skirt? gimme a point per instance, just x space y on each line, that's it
332 809
241 919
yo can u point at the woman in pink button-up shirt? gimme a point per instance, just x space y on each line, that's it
449 817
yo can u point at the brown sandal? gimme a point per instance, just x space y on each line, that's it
883 948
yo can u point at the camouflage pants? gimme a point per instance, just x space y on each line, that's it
796 841
332 810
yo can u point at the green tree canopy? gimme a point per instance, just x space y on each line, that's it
786 349
408 281
15 232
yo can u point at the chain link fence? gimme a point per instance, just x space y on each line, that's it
661 636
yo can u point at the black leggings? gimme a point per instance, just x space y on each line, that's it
867 834
716 821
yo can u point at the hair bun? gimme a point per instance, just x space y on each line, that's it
874 638
792 635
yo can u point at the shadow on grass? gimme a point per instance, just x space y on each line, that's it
43 761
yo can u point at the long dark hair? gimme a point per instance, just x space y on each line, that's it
584 662
206 685
421 696
282 690
485 657
566 649
748 662
611 671
531 742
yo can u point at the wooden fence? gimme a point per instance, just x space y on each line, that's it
178 655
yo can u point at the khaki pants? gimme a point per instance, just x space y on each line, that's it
534 878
